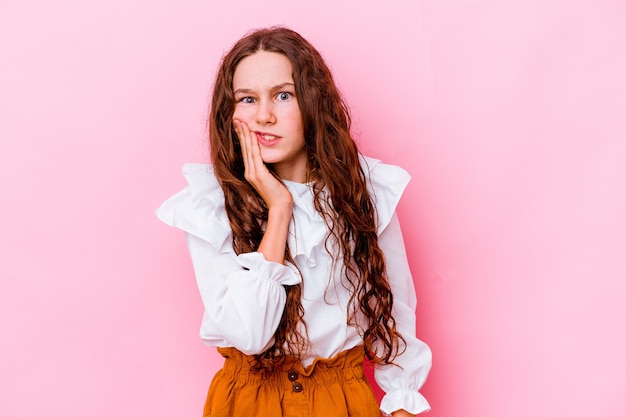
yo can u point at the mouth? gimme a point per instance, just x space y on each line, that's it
267 139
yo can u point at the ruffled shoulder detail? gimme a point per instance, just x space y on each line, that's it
308 233
386 184
199 208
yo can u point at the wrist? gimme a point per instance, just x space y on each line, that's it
280 210
402 413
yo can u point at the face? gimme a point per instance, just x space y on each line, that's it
265 99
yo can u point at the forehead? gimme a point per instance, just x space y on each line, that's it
262 70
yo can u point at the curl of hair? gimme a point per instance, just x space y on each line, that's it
339 187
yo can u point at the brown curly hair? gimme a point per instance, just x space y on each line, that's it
339 186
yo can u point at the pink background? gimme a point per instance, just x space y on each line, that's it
510 116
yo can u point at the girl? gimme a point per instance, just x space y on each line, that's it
296 246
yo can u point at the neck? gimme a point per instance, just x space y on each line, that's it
291 172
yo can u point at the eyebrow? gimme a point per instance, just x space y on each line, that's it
274 88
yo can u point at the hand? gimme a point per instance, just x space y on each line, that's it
277 197
271 190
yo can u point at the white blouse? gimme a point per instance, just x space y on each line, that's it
244 297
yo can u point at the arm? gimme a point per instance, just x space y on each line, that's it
277 198
402 384
243 296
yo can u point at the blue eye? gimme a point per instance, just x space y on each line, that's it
246 100
284 96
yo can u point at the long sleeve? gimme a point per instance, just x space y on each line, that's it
402 383
243 296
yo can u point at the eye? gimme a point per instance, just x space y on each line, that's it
283 96
246 100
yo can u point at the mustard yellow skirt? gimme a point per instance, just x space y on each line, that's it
333 387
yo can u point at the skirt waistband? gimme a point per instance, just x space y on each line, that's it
340 368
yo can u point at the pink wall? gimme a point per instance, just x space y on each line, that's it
509 115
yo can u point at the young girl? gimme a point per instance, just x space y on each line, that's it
296 246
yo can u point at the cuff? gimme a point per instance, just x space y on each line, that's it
279 273
411 401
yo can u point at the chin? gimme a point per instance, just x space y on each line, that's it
268 158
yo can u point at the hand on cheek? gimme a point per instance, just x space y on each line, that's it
273 192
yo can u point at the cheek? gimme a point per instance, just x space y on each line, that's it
295 118
242 114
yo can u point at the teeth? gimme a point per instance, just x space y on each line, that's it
269 137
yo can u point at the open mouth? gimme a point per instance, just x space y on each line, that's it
267 139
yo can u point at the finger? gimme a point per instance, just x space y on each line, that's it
254 150
253 164
239 132
243 142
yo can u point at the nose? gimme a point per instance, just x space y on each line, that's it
265 113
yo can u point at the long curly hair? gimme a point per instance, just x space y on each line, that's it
340 191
